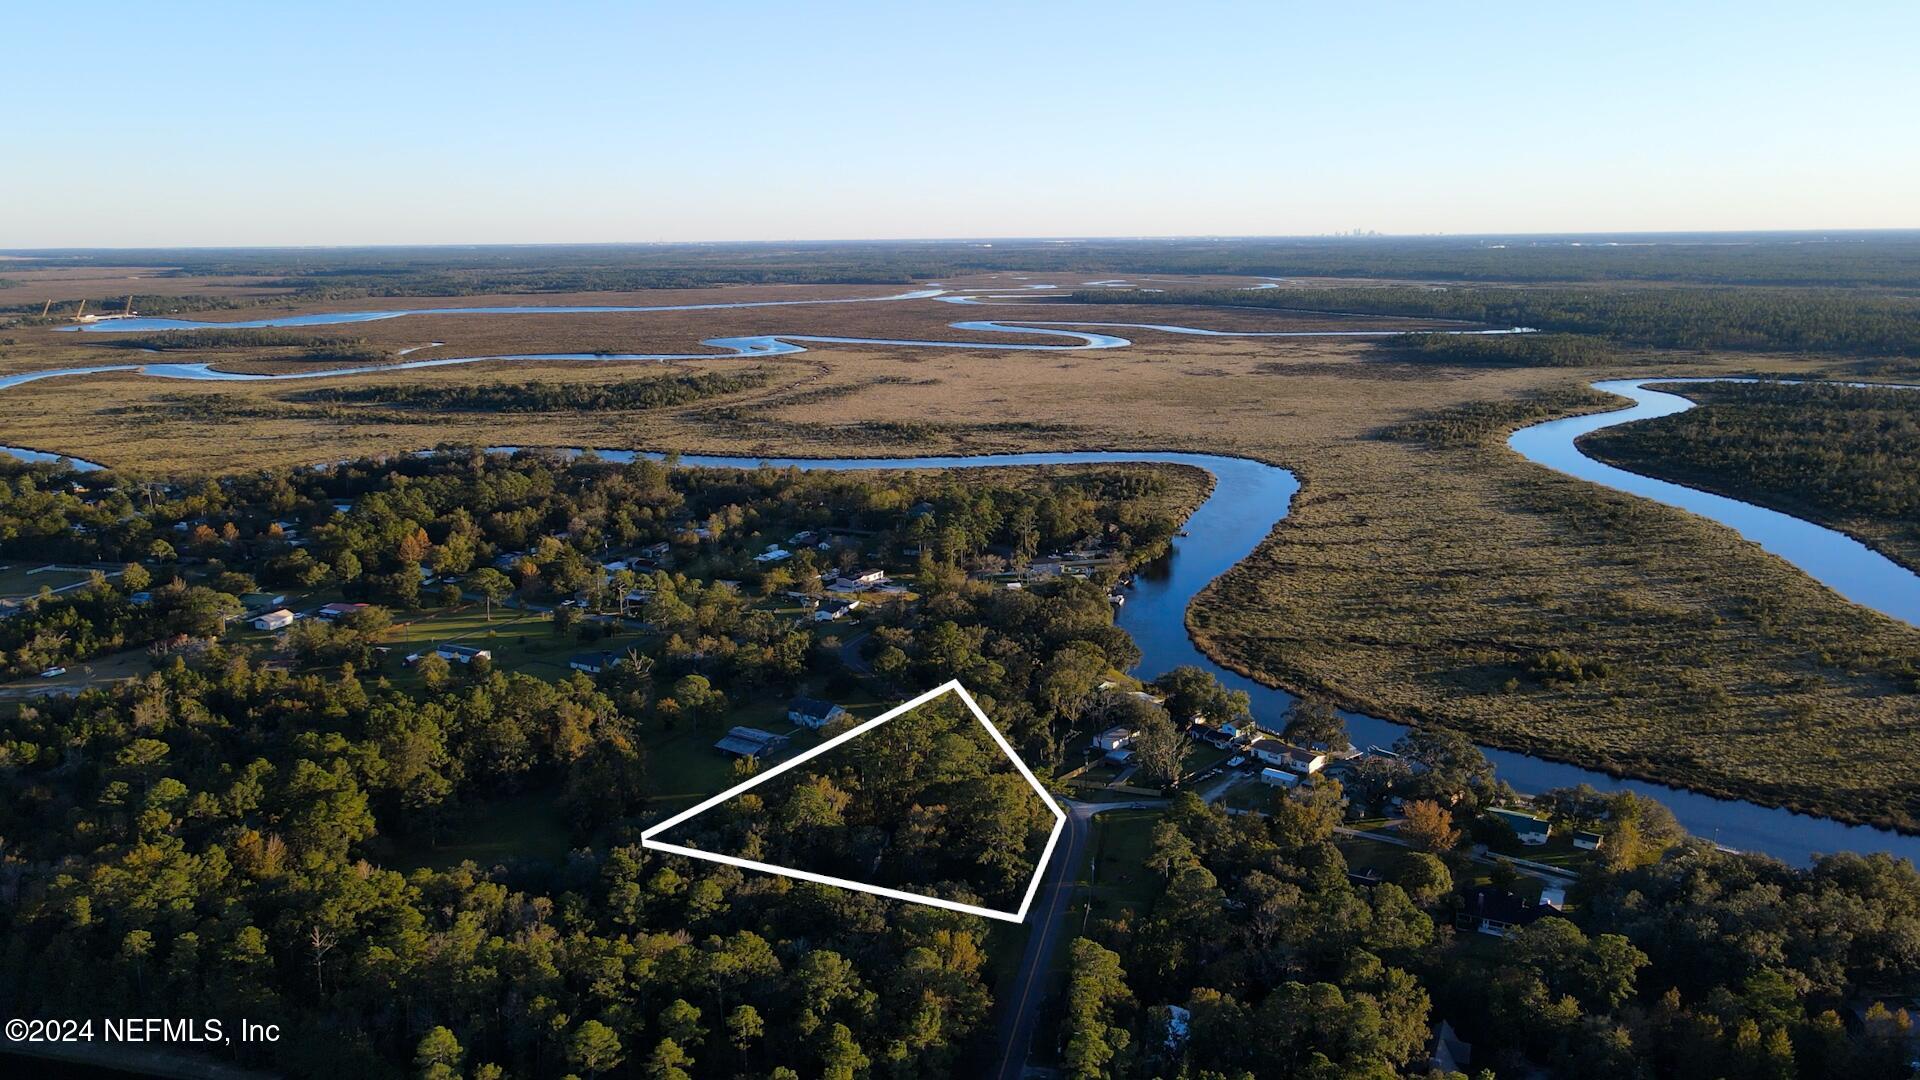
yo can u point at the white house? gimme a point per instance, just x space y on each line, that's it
854 580
1115 738
832 610
277 619
774 553
1291 758
1531 830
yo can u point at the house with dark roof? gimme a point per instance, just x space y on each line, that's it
813 713
751 743
593 663
1497 912
1531 830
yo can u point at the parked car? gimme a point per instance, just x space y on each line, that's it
1236 761
53 672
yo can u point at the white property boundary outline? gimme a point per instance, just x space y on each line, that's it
1039 871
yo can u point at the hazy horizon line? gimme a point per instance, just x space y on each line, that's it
980 239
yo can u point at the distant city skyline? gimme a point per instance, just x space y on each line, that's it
218 124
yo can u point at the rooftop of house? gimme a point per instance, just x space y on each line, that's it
1522 822
1499 905
810 706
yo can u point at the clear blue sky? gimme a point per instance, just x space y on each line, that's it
417 122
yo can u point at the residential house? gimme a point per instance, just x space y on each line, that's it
336 612
1587 840
813 713
1497 912
1044 569
774 553
1450 1054
461 654
1291 758
634 604
594 663
751 743
262 602
1115 738
1531 830
855 580
834 610
278 619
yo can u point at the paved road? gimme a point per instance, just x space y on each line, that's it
1019 1013
850 654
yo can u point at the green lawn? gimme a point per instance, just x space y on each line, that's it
1363 855
16 582
1121 842
521 641
524 826
1250 794
1201 756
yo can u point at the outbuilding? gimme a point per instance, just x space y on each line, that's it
462 654
750 743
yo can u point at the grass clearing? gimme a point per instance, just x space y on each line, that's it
1121 842
528 825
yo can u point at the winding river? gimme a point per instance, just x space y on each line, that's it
1248 499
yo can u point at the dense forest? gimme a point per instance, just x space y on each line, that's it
247 829
292 344
1677 961
1772 320
1504 350
1838 454
244 337
232 836
542 396
925 803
